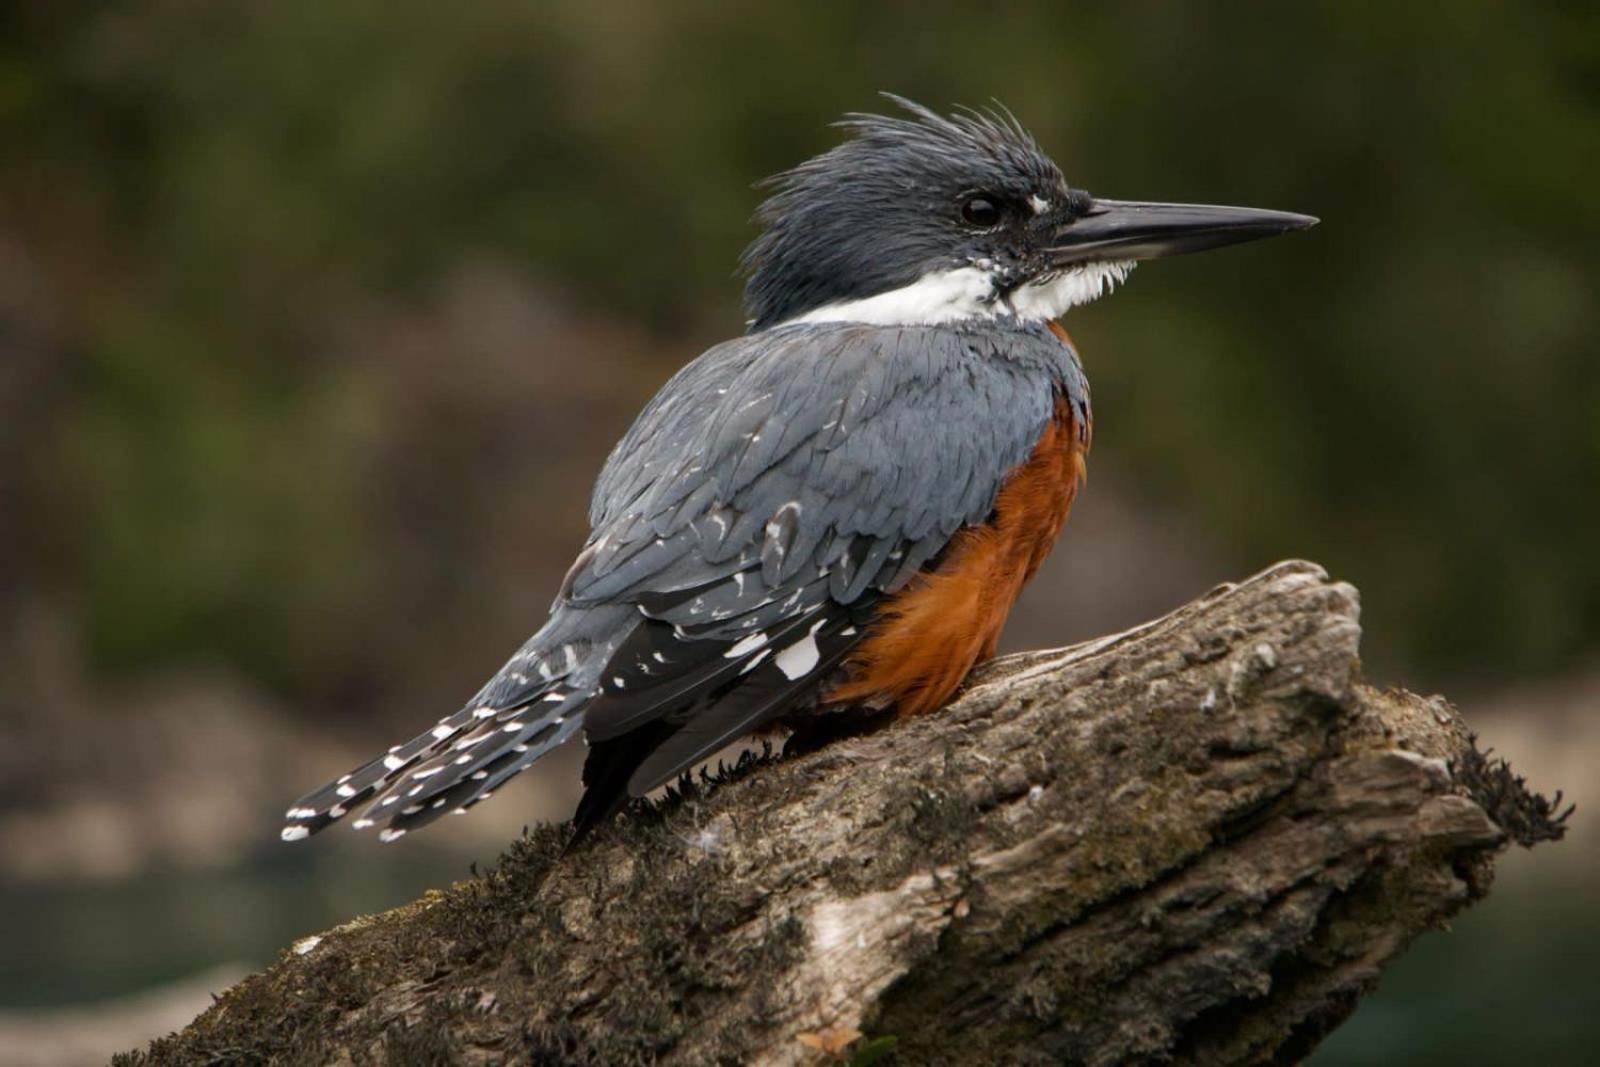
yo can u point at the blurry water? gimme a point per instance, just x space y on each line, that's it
1516 980
77 942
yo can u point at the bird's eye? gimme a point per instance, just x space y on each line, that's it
980 211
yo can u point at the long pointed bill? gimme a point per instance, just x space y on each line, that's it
1127 229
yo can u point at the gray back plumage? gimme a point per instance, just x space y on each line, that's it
895 434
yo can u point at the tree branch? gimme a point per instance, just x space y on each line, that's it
1200 840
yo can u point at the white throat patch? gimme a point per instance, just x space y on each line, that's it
969 293
1051 297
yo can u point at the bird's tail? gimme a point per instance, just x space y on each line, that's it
453 766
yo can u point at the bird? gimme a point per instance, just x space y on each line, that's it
821 524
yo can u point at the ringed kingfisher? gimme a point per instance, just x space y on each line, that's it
831 515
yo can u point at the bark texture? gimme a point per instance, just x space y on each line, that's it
1197 841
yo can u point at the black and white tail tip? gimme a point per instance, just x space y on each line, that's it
454 766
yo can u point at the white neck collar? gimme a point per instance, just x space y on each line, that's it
969 293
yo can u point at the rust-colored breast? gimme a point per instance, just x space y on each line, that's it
930 635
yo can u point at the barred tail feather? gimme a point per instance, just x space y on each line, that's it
466 771
406 781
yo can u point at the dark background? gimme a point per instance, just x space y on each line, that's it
316 322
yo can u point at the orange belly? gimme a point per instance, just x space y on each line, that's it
928 637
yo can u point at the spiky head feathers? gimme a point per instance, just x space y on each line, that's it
895 202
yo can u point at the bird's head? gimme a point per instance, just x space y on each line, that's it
929 219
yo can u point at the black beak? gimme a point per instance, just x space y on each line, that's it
1128 229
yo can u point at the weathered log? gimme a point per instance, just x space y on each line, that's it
1199 840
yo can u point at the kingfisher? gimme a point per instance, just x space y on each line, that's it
823 523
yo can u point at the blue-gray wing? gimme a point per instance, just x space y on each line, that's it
772 491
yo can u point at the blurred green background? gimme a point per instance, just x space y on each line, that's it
316 321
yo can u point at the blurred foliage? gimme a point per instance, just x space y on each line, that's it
212 189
